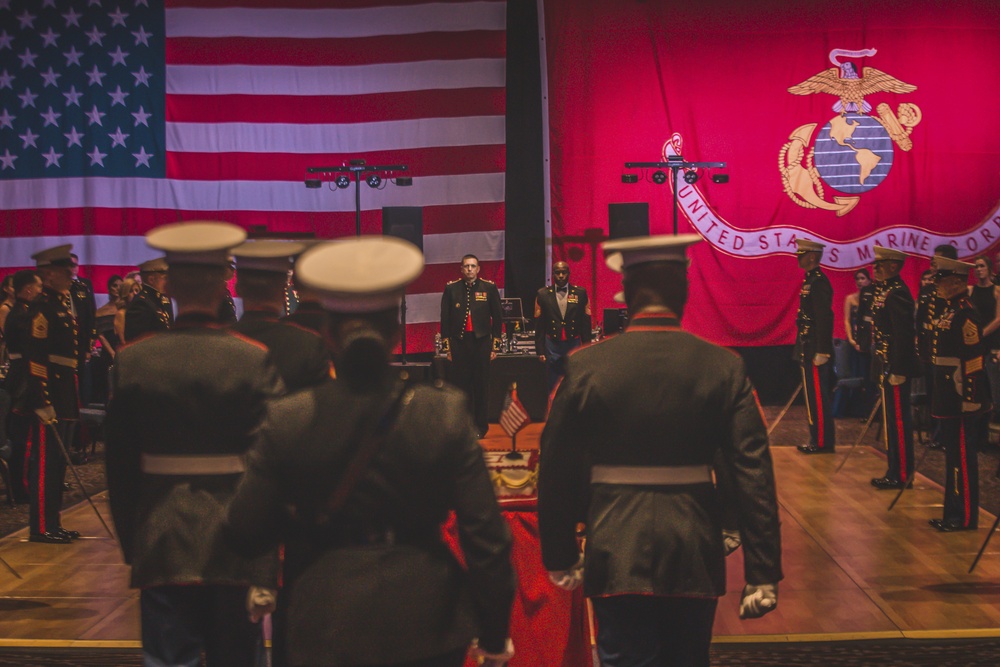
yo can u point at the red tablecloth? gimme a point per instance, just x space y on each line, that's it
548 625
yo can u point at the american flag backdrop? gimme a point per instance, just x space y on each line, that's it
117 116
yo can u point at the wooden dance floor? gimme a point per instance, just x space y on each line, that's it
853 569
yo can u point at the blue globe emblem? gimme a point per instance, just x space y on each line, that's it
853 153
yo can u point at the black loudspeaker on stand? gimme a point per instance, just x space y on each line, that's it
628 220
407 223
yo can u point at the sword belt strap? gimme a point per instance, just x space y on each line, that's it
13 356
197 464
69 362
947 361
651 475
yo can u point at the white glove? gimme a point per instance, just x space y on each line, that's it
758 600
46 414
896 380
260 602
568 580
820 359
731 540
492 659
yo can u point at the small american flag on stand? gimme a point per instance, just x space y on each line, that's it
513 417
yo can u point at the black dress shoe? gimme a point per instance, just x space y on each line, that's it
953 527
887 483
71 534
936 523
49 538
813 449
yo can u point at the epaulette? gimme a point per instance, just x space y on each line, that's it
454 281
488 281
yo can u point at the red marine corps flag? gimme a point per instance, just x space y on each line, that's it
513 417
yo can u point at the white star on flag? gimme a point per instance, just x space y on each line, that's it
6 119
51 118
142 157
52 158
96 76
5 80
51 78
141 117
72 18
72 97
118 56
95 36
73 138
141 36
27 59
118 137
118 18
5 40
29 139
27 20
118 96
27 98
72 56
96 157
7 159
142 77
49 37
95 116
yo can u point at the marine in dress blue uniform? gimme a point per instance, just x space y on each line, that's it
185 407
150 311
471 326
813 347
895 363
628 448
961 393
51 353
562 322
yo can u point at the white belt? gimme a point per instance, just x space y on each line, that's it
651 475
947 361
166 464
62 361
13 356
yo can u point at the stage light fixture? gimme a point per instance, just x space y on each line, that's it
314 183
659 177
720 178
373 180
630 178
343 181
691 177
403 181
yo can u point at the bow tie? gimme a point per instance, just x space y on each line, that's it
563 290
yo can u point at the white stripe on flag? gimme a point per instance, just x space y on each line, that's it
335 23
243 195
334 138
335 80
107 250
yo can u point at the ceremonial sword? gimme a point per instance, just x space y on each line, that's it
79 482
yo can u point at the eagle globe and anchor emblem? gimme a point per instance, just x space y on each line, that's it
853 153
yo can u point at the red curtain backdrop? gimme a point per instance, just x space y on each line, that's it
625 76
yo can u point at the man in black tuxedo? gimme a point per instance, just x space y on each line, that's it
562 322
471 325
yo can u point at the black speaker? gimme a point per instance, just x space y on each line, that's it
626 220
404 222
615 320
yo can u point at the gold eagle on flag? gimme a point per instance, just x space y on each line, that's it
844 82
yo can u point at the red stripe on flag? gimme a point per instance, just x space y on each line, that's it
104 221
336 108
336 52
445 161
300 4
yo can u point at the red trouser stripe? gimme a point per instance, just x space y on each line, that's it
965 473
900 440
29 445
819 409
42 528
